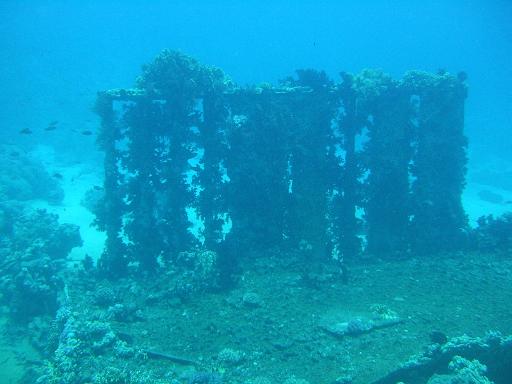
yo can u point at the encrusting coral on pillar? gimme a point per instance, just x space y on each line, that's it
371 164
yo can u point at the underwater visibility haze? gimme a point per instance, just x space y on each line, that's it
256 192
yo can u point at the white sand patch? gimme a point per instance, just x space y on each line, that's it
476 207
486 192
76 180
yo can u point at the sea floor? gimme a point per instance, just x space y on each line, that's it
282 336
270 325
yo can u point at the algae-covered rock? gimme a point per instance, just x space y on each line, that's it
464 356
464 372
352 325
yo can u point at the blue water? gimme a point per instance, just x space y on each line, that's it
55 55
281 313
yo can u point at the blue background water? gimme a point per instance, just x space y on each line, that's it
55 55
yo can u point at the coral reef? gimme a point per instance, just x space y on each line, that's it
24 178
464 372
79 338
33 253
93 199
203 378
196 271
468 358
493 234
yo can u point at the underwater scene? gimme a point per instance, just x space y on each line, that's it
285 192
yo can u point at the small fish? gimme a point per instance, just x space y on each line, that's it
58 175
491 197
53 123
97 188
86 132
15 154
26 131
438 337
50 128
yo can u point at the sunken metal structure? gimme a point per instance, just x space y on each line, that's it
366 164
